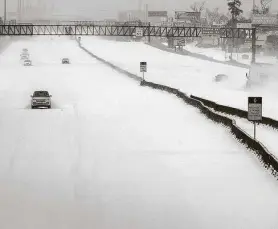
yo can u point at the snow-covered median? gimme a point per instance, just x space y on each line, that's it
191 75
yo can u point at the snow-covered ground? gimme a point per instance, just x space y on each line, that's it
112 154
219 54
265 134
191 75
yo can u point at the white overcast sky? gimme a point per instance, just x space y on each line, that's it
100 9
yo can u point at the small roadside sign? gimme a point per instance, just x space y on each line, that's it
255 109
143 66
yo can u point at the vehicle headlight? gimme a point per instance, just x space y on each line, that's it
34 101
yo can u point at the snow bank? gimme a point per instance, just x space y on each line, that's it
221 55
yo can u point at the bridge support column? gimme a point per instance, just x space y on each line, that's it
149 33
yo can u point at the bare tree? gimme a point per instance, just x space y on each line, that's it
212 15
215 16
198 6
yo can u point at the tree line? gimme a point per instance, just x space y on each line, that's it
234 15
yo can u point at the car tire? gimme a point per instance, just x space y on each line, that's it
32 107
49 107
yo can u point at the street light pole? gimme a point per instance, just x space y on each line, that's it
19 10
5 11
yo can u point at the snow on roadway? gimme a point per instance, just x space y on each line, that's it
191 75
115 155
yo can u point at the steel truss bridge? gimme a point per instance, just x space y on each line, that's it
122 30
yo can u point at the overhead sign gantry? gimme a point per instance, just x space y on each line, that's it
125 30
99 30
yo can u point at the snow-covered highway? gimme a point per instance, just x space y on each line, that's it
112 154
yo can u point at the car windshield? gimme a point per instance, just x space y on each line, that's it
41 94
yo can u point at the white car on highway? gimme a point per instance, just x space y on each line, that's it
41 99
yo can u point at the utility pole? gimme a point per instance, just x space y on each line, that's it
5 11
22 9
19 10
146 12
254 38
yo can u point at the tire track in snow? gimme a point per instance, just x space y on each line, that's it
82 170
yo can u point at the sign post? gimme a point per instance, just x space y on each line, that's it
255 111
143 68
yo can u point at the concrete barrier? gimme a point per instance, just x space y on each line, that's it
120 70
268 160
235 111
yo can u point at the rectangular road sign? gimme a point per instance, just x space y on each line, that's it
260 19
139 32
157 14
244 25
210 31
255 109
143 66
179 42
195 16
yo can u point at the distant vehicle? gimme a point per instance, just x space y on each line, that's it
65 61
24 50
245 56
220 77
41 99
27 63
24 53
24 56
